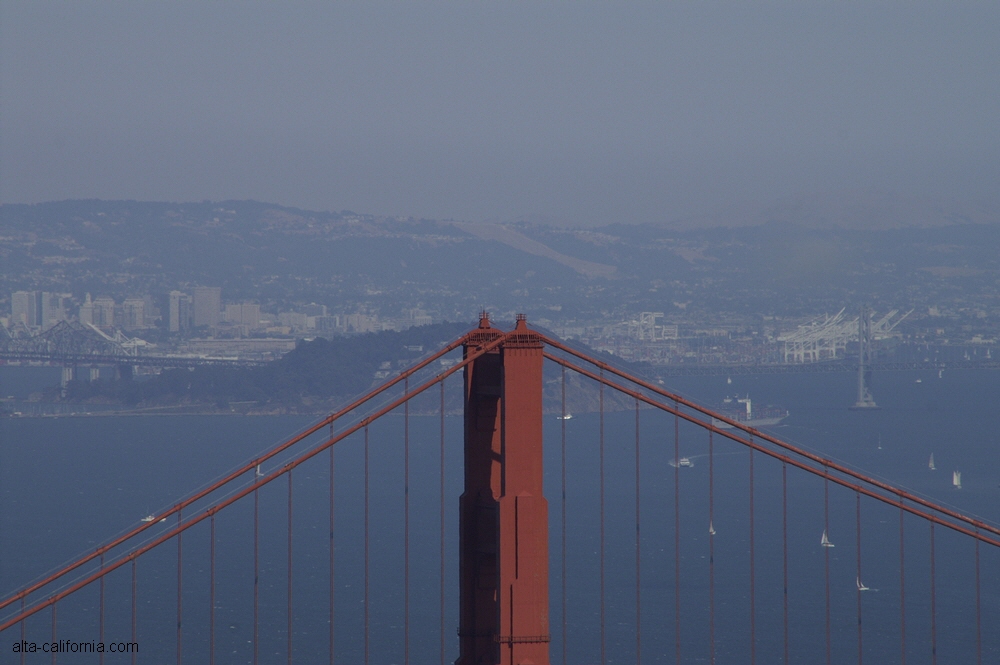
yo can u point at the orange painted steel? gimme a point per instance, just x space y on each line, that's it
253 464
867 491
245 491
888 489
503 527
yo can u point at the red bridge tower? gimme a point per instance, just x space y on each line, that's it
504 606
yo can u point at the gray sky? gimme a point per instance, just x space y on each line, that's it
579 113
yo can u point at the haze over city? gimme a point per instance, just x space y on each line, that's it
581 114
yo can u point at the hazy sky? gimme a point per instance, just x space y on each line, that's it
575 112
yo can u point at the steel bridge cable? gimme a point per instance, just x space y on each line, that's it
711 550
753 575
252 464
366 548
826 557
902 587
180 570
889 489
601 453
333 585
100 630
441 520
677 532
406 524
857 538
638 551
979 625
562 502
211 592
236 495
973 531
256 572
933 603
784 557
289 611
134 640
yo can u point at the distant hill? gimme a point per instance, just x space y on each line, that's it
869 210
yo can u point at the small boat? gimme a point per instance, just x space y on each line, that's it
940 373
711 529
919 381
566 417
747 415
956 479
149 518
930 463
824 541
684 461
729 380
879 442
862 587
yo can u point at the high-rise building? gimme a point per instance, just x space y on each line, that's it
26 307
87 311
53 308
180 312
133 313
207 306
104 312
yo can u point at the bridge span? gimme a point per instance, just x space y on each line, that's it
767 554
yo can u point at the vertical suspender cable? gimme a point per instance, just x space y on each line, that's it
54 633
100 630
406 524
134 653
979 625
711 550
826 556
256 572
638 550
22 620
902 587
601 451
180 570
562 503
753 573
441 521
366 548
933 604
857 520
288 611
677 532
211 592
333 585
784 556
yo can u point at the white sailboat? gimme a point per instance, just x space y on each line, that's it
824 541
711 529
956 479
148 518
930 463
862 587
258 472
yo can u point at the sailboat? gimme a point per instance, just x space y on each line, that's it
711 529
930 463
824 541
862 587
148 518
956 479
880 441
258 472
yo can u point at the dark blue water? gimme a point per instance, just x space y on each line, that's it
68 484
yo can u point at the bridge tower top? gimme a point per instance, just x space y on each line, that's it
503 514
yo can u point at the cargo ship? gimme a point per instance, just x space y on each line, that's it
747 415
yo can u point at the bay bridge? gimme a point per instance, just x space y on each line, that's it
767 557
